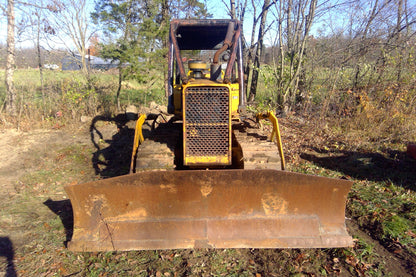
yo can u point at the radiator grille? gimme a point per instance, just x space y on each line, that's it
207 131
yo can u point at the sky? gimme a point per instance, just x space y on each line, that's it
215 7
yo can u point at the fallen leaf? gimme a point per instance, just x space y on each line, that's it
410 233
397 251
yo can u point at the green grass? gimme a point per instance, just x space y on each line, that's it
388 209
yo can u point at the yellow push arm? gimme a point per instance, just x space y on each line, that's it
275 133
138 139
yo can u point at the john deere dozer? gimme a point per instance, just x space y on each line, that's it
206 178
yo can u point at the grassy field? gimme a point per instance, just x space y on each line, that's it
367 147
69 95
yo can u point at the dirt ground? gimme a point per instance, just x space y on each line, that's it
35 215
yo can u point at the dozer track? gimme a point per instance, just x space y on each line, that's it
161 150
157 151
257 151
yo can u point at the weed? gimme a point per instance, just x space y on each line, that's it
397 228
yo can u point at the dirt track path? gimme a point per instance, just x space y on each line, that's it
19 151
22 152
30 162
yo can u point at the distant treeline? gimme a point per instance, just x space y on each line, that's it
27 57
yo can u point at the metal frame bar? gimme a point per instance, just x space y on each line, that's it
138 139
275 136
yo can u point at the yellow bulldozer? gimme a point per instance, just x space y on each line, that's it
206 178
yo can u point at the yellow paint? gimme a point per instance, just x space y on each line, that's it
206 189
197 65
177 99
275 133
138 139
139 213
273 204
204 160
235 98
170 188
208 160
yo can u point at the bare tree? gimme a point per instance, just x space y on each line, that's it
237 10
294 19
259 49
11 106
72 22
250 50
39 26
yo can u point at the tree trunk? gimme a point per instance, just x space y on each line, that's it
259 50
232 8
40 62
398 39
249 59
120 65
120 79
10 90
165 24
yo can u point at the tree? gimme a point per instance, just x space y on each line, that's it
187 9
71 22
255 48
294 21
138 32
121 22
259 50
37 28
11 95
11 107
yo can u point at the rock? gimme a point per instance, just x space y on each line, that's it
153 105
85 119
153 108
163 109
144 110
131 112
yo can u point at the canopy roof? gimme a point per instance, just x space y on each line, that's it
201 34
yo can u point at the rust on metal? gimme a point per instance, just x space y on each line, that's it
209 208
177 54
228 71
227 41
212 31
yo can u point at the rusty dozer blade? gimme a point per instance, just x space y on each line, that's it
209 209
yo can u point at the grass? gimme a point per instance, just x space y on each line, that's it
387 210
384 208
68 95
